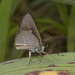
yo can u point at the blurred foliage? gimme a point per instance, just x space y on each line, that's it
55 19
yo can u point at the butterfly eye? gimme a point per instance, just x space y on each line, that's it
45 44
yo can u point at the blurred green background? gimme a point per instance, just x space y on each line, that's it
55 20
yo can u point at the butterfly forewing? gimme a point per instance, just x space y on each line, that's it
28 23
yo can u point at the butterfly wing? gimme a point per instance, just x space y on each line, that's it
26 40
27 23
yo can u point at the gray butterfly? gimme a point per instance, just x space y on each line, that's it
28 37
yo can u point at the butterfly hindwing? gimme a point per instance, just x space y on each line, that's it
26 40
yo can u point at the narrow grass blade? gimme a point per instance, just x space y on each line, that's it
16 53
44 28
71 31
16 4
63 11
56 24
70 2
36 3
13 31
5 12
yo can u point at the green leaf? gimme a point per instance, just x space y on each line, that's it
62 8
38 3
56 24
5 48
70 2
5 12
71 31
13 31
44 28
63 61
16 4
16 53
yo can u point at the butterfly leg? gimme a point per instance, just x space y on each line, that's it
29 57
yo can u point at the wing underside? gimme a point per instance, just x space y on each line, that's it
26 40
27 23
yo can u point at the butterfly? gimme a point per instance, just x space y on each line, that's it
28 37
